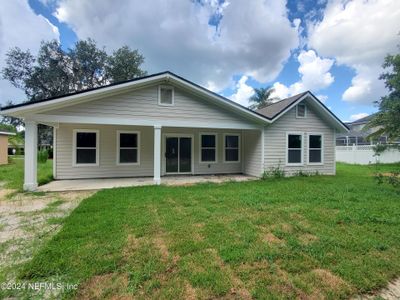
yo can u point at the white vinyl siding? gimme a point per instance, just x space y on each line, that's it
252 152
142 104
275 142
108 167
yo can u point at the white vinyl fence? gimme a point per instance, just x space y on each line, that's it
364 155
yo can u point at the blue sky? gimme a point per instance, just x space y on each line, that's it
231 47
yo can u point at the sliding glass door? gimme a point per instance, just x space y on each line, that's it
178 155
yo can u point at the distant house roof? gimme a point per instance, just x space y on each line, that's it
363 120
274 109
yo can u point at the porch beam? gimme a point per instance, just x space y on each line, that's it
42 118
30 161
157 154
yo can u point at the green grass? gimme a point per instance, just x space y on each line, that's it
13 173
320 236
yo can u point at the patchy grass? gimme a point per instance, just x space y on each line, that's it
13 173
303 237
27 222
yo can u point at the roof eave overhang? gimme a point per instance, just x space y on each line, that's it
42 106
39 107
7 133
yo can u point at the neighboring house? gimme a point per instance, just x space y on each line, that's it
358 135
4 146
163 124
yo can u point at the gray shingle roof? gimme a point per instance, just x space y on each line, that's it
272 110
363 120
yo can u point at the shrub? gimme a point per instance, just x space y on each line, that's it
274 172
43 155
302 173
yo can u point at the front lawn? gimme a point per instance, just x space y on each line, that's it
317 237
13 173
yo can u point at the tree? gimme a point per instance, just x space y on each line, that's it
387 120
125 63
261 97
55 71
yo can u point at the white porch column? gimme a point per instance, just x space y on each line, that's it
157 154
31 144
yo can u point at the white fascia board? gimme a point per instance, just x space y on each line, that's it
40 107
6 133
77 98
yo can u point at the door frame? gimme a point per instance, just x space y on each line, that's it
164 162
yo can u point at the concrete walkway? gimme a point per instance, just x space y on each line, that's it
108 183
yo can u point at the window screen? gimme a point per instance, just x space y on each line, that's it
315 148
86 148
294 148
301 110
166 96
208 148
232 148
128 148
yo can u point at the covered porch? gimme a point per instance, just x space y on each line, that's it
170 153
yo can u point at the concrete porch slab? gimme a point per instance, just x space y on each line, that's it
108 183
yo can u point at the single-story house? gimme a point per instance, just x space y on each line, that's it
4 146
163 124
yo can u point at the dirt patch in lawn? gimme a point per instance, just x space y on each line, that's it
390 174
160 244
102 286
27 220
272 239
330 280
307 238
4 193
190 292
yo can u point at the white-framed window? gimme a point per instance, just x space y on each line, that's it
231 148
301 110
294 145
315 148
128 147
166 95
208 147
85 147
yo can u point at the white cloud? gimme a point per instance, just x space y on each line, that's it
358 34
281 91
358 116
322 98
254 38
20 27
243 92
314 75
